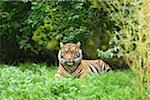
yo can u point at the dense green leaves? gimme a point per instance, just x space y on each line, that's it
66 21
124 15
33 81
39 25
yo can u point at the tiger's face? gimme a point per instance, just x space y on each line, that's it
70 54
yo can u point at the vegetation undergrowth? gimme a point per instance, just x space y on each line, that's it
133 20
35 81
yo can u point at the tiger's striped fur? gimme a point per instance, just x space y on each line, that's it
70 62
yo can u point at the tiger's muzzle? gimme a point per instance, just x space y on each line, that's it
69 62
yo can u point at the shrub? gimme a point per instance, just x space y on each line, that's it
133 37
38 26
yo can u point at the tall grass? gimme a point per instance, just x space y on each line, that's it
133 19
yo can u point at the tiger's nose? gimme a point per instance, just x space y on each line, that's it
70 60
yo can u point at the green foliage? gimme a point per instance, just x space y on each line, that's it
132 19
38 25
66 21
13 37
33 81
124 17
110 53
44 21
12 23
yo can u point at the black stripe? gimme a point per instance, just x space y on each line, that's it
75 68
91 69
79 75
68 70
104 67
80 71
64 68
95 67
108 70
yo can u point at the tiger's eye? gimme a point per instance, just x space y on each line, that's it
77 55
62 55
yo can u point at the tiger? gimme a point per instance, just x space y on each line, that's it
71 62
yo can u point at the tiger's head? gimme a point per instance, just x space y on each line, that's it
70 54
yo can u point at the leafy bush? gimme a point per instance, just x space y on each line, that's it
132 35
35 26
110 53
33 81
66 21
47 22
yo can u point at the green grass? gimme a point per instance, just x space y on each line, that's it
34 82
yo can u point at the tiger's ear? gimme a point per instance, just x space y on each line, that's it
78 44
61 44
